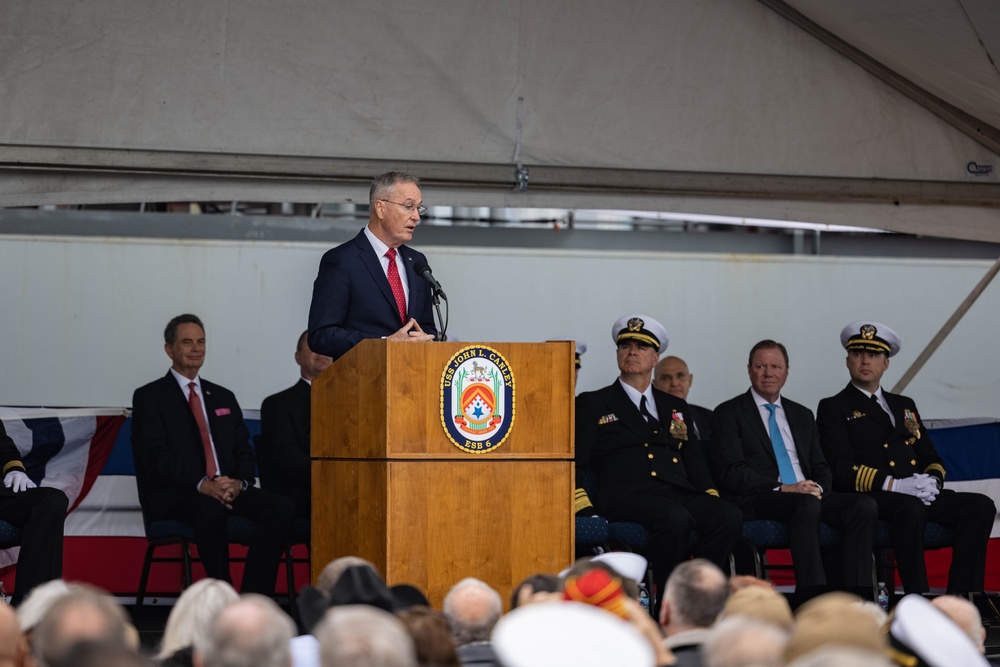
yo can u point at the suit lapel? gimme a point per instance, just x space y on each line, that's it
752 415
179 396
373 263
622 406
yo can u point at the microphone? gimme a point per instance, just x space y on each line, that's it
424 271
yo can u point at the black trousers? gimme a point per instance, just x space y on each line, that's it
671 514
970 515
40 513
854 515
271 512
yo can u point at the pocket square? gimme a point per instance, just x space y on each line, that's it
221 411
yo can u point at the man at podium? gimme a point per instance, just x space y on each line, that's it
649 465
368 287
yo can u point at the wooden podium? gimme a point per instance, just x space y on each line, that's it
391 486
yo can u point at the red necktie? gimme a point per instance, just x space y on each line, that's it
396 285
211 466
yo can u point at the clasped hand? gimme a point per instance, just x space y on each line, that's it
807 486
921 485
411 332
222 488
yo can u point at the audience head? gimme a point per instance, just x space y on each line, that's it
472 608
405 596
584 565
310 363
965 615
251 632
104 654
834 619
840 656
431 637
569 633
329 575
672 376
761 603
364 636
82 614
41 598
193 613
184 343
696 593
743 642
536 583
13 644
921 635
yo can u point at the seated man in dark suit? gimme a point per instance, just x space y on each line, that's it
284 432
673 377
194 462
878 447
650 469
766 456
40 513
367 287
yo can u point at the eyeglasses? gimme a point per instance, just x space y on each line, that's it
409 208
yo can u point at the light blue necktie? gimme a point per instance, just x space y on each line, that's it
785 469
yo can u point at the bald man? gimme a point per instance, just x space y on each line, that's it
673 377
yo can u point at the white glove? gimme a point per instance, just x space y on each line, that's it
920 486
17 481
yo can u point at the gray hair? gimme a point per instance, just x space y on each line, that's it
364 636
39 601
59 630
744 642
383 183
697 591
472 608
252 632
193 613
840 656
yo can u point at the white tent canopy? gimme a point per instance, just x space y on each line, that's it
703 106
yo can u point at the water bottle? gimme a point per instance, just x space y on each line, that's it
643 597
883 597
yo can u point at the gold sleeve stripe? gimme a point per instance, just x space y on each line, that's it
864 479
712 492
14 464
938 467
581 500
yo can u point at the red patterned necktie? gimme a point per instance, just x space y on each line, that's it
396 285
211 466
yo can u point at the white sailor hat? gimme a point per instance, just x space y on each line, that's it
642 328
581 347
625 563
922 635
568 634
871 336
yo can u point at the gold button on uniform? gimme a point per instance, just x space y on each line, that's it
675 459
646 444
653 474
650 455
913 462
892 464
886 445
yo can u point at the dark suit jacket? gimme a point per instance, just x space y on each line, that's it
612 436
743 458
283 452
169 457
352 300
10 457
863 446
702 419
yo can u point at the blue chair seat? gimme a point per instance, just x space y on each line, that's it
936 535
759 535
10 535
591 531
